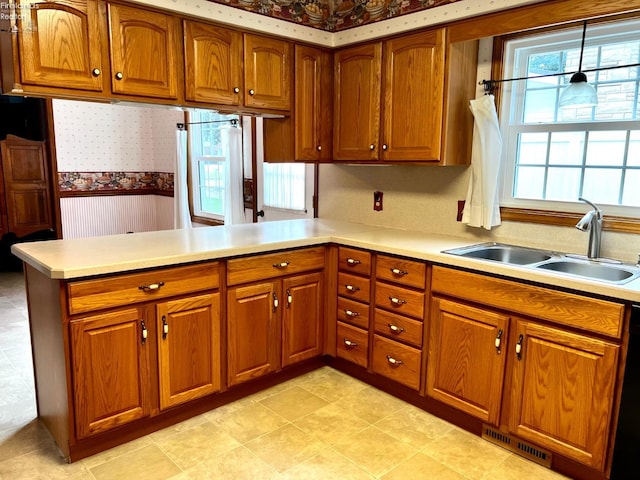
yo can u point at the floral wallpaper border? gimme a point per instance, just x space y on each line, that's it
333 15
114 183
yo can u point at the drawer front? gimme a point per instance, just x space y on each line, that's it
399 270
397 361
398 327
354 261
271 265
353 287
100 293
352 344
400 300
353 312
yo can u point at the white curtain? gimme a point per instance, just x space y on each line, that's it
482 206
182 216
233 200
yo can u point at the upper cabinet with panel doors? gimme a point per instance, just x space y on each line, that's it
405 100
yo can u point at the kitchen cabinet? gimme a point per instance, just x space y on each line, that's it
275 312
145 52
268 67
408 116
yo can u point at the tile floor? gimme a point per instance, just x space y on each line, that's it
322 425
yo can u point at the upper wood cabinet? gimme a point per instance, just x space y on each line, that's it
213 64
61 45
145 49
268 66
409 116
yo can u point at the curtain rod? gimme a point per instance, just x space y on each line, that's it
183 126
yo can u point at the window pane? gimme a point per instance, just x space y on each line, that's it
539 105
633 155
533 149
631 195
529 182
606 148
567 148
284 185
602 185
211 180
563 184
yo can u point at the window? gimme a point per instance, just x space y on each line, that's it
553 156
208 162
284 186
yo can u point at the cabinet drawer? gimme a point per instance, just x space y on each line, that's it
353 312
115 291
400 300
354 287
352 344
354 261
400 270
396 361
270 265
398 327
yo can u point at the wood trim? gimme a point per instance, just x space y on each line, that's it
567 219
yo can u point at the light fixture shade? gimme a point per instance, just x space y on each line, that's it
578 94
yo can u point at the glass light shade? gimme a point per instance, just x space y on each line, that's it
578 94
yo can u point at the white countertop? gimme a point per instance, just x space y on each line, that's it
84 257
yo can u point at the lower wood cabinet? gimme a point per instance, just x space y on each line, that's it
396 361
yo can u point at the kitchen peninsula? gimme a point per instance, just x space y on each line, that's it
131 333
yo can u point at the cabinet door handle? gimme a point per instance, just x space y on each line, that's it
252 91
498 342
352 288
397 271
119 76
96 72
394 361
349 343
165 327
275 302
372 147
353 261
519 347
236 89
395 328
397 301
384 146
289 298
281 265
350 313
151 287
319 148
144 331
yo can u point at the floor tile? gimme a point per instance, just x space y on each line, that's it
250 422
42 464
369 404
420 467
331 424
517 468
332 386
414 426
293 403
148 463
238 464
327 465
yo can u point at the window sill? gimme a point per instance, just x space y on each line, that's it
206 221
569 219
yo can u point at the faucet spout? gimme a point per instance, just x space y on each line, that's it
592 222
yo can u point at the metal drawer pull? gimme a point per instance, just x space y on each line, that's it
349 343
397 301
165 327
350 313
275 301
151 287
289 298
397 271
519 347
281 265
353 261
498 342
352 288
393 361
144 331
395 328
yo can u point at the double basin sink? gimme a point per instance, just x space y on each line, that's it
604 270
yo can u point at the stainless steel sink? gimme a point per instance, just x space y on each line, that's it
596 271
503 253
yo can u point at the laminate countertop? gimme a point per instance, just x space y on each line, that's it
87 257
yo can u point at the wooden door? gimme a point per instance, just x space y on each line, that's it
562 392
313 104
213 64
26 183
61 44
252 331
145 52
466 369
302 318
188 348
109 359
357 102
268 70
413 72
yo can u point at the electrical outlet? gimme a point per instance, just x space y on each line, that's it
460 208
377 201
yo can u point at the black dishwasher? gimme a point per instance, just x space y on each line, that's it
626 454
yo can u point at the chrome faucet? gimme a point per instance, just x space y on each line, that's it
592 222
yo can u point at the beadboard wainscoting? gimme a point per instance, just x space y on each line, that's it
112 215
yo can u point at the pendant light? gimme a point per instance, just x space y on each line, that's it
579 93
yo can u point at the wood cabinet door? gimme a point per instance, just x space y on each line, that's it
25 171
313 103
466 369
109 359
145 52
188 348
357 102
562 391
268 70
213 64
61 44
302 318
413 72
252 331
